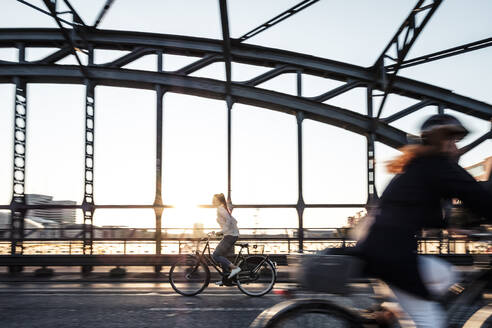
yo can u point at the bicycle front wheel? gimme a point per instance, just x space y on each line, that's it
257 276
307 313
189 276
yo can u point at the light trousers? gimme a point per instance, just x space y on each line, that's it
437 275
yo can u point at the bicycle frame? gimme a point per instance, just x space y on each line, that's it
210 261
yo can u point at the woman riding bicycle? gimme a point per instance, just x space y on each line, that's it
228 225
427 175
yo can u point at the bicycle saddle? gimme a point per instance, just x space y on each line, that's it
243 245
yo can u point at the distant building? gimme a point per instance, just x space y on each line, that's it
354 220
481 171
198 229
4 219
61 216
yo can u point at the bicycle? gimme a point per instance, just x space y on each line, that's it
464 305
190 275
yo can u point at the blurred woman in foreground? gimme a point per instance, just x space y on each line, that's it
426 175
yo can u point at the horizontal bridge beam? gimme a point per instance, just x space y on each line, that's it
208 88
253 55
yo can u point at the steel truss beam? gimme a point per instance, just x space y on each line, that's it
226 46
44 11
444 54
56 56
401 43
211 89
88 201
277 19
52 8
103 12
337 91
17 212
158 209
476 142
226 40
132 56
372 194
199 64
407 111
301 205
270 75
252 55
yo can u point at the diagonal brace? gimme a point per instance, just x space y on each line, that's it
270 75
67 37
407 111
472 46
337 91
401 43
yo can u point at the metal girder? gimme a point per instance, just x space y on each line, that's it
88 201
226 42
56 56
17 212
277 19
252 55
103 12
408 111
158 159
475 143
400 44
128 58
472 46
43 11
199 64
337 91
211 89
51 7
270 75
372 195
76 17
226 50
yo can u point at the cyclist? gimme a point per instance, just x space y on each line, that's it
426 175
230 231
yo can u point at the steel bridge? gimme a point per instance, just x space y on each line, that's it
74 38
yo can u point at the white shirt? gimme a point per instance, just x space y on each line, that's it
227 222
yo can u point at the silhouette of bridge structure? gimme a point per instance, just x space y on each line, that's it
75 38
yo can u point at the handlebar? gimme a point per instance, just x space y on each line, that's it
474 235
212 234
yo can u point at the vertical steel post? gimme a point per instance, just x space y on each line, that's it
158 173
371 171
440 109
229 148
17 212
300 200
88 202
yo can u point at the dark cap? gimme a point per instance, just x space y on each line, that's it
444 122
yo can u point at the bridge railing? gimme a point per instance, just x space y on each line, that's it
126 241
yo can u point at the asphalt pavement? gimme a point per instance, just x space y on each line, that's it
111 305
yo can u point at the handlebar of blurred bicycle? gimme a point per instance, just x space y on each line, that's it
478 234
212 234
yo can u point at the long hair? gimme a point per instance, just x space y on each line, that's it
221 198
430 142
409 153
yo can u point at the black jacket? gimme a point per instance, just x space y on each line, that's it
411 202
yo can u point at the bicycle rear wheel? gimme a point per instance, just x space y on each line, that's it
189 276
257 276
307 313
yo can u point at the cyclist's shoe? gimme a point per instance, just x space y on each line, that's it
234 272
219 283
